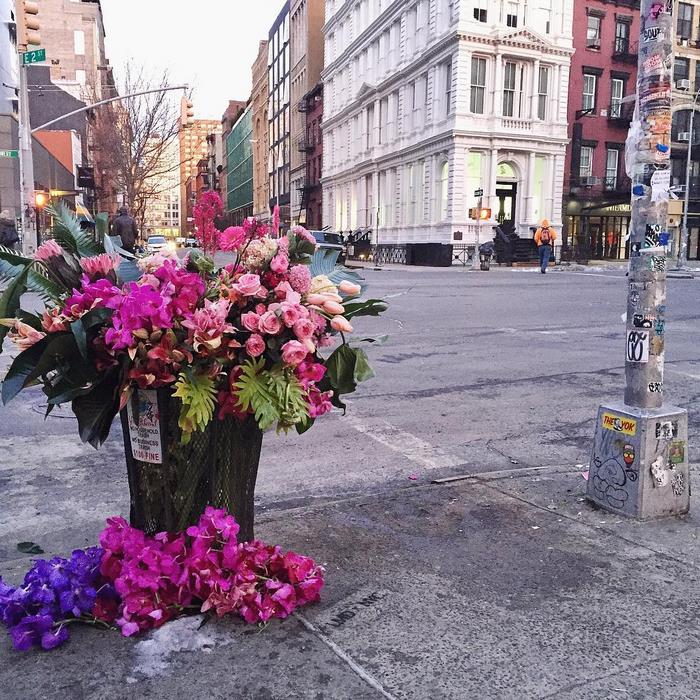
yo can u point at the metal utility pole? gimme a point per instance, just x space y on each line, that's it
26 169
639 464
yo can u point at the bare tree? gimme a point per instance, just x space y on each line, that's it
137 140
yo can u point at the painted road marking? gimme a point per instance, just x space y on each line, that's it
682 374
405 444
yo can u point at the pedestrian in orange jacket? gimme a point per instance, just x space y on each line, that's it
545 237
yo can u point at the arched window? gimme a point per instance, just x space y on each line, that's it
444 181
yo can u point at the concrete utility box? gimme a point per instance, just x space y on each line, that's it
639 465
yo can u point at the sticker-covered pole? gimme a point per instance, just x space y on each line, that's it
648 164
639 461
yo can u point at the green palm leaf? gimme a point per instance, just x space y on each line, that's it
67 233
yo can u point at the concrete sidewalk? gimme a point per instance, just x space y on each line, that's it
508 585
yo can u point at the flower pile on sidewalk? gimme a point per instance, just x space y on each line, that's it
139 582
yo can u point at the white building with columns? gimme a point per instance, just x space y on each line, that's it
428 101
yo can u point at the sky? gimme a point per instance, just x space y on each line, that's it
209 44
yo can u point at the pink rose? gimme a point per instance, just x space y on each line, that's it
338 323
294 353
304 328
248 285
250 321
291 313
255 345
284 292
279 264
269 323
260 309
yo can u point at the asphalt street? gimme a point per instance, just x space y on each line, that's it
481 371
505 585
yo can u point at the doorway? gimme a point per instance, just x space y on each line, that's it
506 198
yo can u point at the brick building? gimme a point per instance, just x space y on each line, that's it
597 190
194 148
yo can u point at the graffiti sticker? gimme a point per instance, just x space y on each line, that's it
676 453
638 342
626 426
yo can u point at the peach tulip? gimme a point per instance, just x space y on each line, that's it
340 323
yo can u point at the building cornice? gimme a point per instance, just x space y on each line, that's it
522 39
366 90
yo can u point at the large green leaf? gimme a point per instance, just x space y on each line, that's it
9 301
11 263
22 367
341 369
49 290
371 307
68 234
96 410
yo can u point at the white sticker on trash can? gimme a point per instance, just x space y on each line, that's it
145 433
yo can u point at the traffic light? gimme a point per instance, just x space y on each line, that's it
186 112
27 24
41 199
477 214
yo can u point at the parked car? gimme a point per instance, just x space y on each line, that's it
155 244
330 241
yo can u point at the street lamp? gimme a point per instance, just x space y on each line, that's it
683 247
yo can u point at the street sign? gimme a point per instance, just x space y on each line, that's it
479 193
9 154
35 56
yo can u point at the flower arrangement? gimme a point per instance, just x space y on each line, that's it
139 582
253 338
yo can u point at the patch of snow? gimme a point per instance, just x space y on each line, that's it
185 634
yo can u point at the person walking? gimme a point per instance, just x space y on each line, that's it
124 226
8 230
544 238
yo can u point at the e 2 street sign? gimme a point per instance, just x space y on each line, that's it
9 154
36 56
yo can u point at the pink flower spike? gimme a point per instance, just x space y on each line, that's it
48 250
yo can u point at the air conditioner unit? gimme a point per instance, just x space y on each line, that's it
683 136
683 84
593 44
684 41
589 181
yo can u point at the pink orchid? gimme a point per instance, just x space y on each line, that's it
208 325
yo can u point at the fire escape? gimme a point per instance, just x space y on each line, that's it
305 146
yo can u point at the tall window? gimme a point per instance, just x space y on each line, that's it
448 88
79 42
480 10
586 169
444 194
611 163
697 75
617 91
684 26
370 126
681 68
589 85
478 85
543 93
593 32
511 12
622 37
412 194
512 89
383 119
